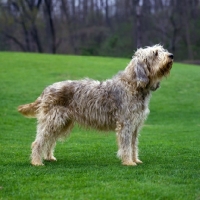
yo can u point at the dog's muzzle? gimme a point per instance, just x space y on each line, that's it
171 56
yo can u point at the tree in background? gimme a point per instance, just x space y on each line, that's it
100 27
19 23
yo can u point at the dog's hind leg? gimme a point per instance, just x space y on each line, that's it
52 125
49 149
40 143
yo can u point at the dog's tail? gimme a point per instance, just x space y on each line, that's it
30 110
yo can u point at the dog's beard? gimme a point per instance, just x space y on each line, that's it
155 86
165 69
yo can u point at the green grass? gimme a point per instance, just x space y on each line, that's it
87 167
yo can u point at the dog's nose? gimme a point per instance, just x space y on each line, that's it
171 56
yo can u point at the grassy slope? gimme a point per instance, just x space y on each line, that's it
87 167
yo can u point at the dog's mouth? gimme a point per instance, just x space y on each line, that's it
165 70
170 64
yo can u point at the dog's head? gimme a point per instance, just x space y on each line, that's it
149 65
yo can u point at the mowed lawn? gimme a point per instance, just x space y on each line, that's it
87 166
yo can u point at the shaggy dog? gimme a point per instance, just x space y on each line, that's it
119 104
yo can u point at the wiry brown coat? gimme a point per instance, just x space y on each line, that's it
119 104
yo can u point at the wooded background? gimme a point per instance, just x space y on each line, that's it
100 27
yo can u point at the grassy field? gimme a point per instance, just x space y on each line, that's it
87 167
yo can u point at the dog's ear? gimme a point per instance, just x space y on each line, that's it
141 75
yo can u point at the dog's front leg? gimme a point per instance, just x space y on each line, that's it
124 136
135 146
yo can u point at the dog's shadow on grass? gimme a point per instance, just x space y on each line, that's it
86 161
93 161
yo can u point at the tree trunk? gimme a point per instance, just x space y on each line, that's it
48 7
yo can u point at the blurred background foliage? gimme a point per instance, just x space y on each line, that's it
101 27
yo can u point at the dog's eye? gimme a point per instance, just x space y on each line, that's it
156 53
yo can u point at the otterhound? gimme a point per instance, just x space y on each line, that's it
119 104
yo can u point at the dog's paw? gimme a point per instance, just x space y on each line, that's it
129 163
51 159
37 163
138 161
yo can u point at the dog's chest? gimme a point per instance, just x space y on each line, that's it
138 106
